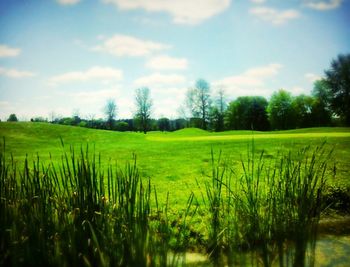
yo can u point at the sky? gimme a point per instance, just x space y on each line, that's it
65 57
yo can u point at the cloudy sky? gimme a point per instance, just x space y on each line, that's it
65 56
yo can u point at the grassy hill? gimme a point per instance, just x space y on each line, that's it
172 160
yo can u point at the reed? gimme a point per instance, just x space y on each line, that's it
77 213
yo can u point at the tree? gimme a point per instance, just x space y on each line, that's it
122 126
280 110
198 101
12 117
321 112
338 79
217 112
110 111
143 108
163 124
302 111
247 113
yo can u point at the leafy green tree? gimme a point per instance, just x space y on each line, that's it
302 111
338 79
12 117
110 111
246 113
122 126
143 103
321 112
163 124
199 102
280 110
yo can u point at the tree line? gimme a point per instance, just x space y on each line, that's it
328 105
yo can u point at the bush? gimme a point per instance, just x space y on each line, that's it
122 126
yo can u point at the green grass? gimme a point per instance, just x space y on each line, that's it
240 196
173 161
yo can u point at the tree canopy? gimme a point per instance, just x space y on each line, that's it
338 79
12 117
280 110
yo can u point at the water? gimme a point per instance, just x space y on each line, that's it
330 251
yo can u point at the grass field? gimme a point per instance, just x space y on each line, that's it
173 161
260 204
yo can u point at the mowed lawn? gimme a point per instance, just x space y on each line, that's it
175 161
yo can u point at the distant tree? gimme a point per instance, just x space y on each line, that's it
122 126
38 119
216 120
321 111
143 108
338 79
163 124
280 110
247 113
178 124
82 124
198 101
110 110
67 121
75 117
217 112
302 106
52 117
12 118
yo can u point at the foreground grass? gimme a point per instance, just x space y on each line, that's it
77 213
175 161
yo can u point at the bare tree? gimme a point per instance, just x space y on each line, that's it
198 101
217 111
52 117
143 107
110 111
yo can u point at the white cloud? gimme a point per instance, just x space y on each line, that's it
95 73
68 2
96 96
6 51
123 45
167 63
274 16
182 11
251 82
323 5
13 73
157 80
311 77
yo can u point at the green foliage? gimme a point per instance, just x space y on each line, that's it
247 113
38 119
12 118
321 112
338 79
122 126
163 124
302 106
280 110
82 124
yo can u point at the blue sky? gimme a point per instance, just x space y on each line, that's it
64 56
